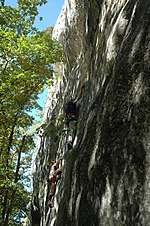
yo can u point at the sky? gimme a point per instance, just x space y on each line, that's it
49 12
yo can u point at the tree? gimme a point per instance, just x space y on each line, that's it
26 65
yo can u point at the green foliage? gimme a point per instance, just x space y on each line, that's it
26 66
49 30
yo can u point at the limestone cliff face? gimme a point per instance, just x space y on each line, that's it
106 175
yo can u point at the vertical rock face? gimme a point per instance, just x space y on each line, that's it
106 175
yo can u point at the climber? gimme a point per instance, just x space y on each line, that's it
71 109
54 176
71 118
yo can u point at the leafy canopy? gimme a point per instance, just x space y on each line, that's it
26 66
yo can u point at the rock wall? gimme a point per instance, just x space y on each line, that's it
106 175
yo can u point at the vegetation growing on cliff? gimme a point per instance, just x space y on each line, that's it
26 58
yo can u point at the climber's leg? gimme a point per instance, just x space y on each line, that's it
71 133
51 194
52 189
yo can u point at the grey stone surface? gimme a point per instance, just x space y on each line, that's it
106 176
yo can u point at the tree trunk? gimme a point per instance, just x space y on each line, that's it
7 211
